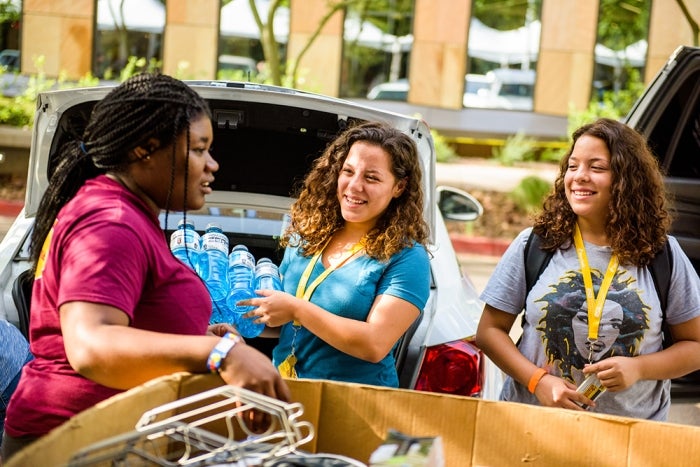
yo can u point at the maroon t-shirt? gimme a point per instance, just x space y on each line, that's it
106 247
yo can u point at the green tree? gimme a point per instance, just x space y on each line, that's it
505 14
9 12
277 70
622 23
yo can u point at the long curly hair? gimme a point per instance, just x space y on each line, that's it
316 213
146 106
639 216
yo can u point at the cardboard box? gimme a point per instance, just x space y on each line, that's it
352 420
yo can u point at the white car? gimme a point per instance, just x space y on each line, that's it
390 91
508 89
265 140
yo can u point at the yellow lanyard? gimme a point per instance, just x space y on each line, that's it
287 367
595 304
305 293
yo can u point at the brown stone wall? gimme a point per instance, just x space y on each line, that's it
565 65
668 29
60 31
320 66
438 58
191 38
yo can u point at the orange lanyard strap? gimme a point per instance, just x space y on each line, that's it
595 304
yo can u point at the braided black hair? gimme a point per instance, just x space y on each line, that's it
144 107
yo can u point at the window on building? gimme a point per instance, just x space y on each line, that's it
127 29
502 50
241 52
377 40
621 49
10 20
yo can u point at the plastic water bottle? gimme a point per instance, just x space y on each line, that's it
241 274
214 269
185 244
267 277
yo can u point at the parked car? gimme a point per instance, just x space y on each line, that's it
508 89
398 90
390 91
668 115
9 59
246 66
266 139
474 82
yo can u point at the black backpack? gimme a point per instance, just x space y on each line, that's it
536 260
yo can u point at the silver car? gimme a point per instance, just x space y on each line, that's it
265 139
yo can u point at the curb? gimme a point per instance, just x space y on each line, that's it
10 208
479 245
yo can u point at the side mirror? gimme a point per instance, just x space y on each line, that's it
458 205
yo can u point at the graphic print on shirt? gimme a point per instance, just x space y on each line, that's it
564 322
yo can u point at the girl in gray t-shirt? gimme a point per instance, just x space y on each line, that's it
594 309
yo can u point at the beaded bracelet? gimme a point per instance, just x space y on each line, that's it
219 352
535 378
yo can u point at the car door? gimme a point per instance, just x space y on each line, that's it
668 114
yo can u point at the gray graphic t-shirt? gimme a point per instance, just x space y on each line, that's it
555 330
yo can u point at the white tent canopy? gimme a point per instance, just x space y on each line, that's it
504 47
367 34
237 20
633 55
139 15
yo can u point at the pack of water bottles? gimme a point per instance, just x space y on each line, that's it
229 277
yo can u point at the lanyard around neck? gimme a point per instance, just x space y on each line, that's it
595 304
305 293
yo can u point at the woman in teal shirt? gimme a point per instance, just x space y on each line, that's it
356 270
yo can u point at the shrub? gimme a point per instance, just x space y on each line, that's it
530 192
443 151
517 148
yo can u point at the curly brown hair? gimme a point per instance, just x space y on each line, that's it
316 213
639 216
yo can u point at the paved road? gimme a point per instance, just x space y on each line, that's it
685 401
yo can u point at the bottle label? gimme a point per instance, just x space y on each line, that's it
215 241
179 238
242 258
266 268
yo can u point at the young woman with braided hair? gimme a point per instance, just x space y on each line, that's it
111 307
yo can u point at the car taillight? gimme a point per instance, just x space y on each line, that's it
452 368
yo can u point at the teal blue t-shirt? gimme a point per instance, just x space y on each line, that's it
350 291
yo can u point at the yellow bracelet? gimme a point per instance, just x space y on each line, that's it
535 378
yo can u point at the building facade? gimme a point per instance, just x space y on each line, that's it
64 32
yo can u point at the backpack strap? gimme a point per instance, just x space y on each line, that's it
660 269
536 260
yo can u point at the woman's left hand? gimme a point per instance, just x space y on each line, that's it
616 373
219 329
